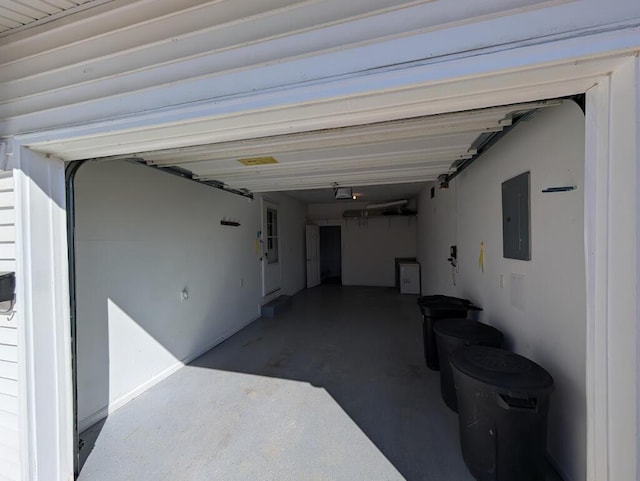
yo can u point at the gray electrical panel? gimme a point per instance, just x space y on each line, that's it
516 237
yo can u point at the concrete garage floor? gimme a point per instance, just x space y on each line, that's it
335 388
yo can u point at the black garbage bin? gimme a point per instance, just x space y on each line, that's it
451 335
434 308
503 404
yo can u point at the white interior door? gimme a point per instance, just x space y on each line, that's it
313 256
271 249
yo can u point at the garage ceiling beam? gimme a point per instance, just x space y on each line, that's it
348 136
185 174
373 177
489 142
333 176
409 150
443 158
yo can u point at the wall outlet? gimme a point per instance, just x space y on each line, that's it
241 282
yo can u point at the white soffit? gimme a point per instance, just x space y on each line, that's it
18 14
402 151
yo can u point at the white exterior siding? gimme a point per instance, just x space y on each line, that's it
9 438
123 58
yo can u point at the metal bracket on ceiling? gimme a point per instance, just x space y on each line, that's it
186 174
486 144
492 138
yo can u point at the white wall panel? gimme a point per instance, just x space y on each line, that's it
9 386
369 246
142 237
8 421
12 469
8 370
369 249
549 326
9 403
7 265
7 216
8 353
8 335
8 250
7 233
10 444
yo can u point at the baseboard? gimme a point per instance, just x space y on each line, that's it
113 406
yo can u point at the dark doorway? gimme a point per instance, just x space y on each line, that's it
330 254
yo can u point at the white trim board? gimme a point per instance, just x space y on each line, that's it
612 271
611 249
44 330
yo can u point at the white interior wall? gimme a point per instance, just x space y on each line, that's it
548 323
369 246
142 237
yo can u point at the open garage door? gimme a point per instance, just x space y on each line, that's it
402 151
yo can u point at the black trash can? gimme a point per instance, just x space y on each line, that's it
503 404
436 307
456 333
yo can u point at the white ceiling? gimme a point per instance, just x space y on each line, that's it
16 14
409 151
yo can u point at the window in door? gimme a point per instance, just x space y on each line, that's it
272 236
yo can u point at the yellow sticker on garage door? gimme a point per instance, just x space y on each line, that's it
258 161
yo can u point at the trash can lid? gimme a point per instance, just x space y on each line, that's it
441 299
468 330
501 370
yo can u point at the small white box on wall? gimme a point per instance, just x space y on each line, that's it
410 278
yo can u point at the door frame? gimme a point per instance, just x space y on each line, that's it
613 272
342 226
265 204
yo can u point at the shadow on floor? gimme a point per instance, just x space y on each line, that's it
87 441
363 346
360 349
